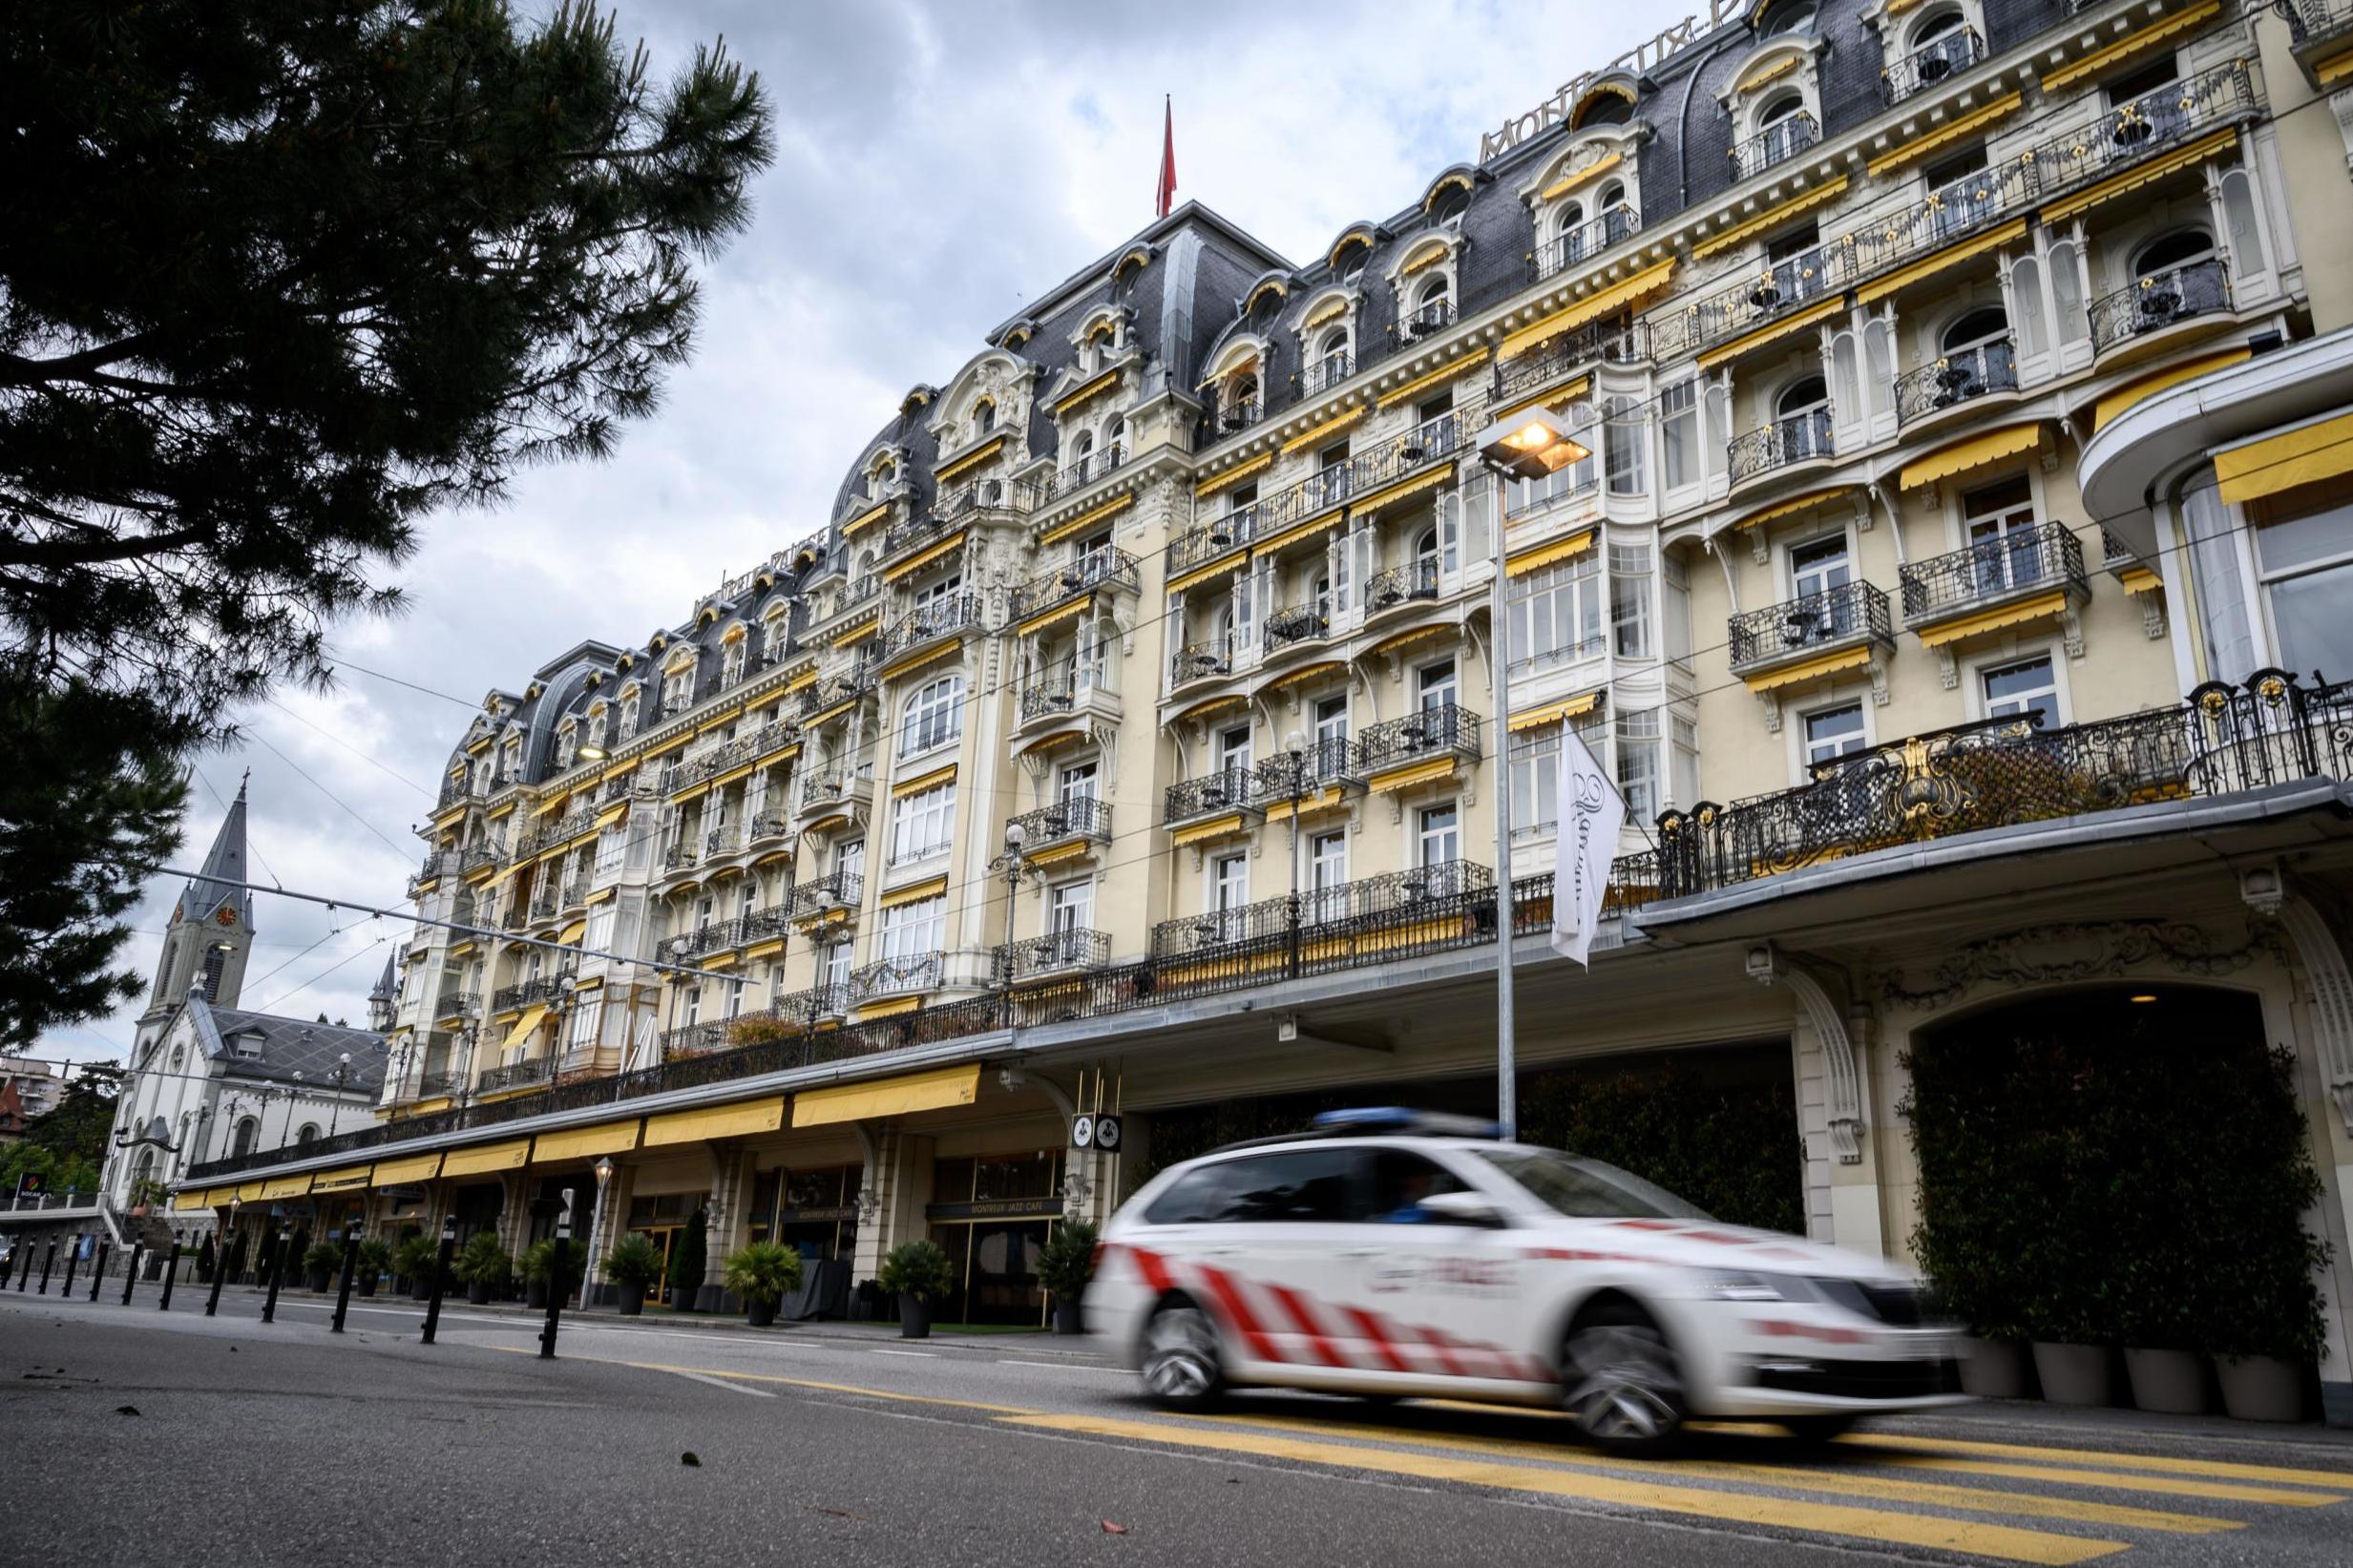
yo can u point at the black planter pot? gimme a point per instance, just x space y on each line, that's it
630 1299
915 1318
478 1293
760 1314
534 1294
365 1284
1068 1319
315 1280
420 1289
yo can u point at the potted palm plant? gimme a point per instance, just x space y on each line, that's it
413 1261
320 1263
483 1265
919 1274
633 1264
1064 1266
538 1270
375 1258
762 1274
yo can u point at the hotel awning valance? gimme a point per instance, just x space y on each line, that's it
1930 266
1618 296
1974 453
1207 573
1402 490
2131 44
971 460
418 1167
1068 526
1946 134
526 1026
194 1198
1552 713
347 1179
1773 332
766 1116
1548 555
922 782
1771 217
1406 778
510 1156
917 562
573 932
1795 505
286 1187
581 1143
1421 384
2301 456
1233 475
2133 178
1055 617
915 893
933 1091
1331 426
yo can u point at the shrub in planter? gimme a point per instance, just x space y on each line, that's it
375 1258
1064 1266
485 1267
689 1254
762 1030
919 1274
413 1261
633 1264
538 1270
762 1274
319 1264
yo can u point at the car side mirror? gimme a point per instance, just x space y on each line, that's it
1462 1208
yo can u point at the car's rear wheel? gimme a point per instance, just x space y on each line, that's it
1619 1379
1182 1369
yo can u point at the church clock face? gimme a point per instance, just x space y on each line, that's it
227 916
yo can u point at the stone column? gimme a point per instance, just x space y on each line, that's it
897 1187
730 1171
615 1225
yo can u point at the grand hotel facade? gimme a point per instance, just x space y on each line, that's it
1956 588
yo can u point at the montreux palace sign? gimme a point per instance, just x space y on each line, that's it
1637 60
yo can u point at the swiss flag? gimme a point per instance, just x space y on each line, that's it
1166 193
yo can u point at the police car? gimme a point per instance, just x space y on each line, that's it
1400 1254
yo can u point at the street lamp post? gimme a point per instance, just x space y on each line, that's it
1531 444
1009 865
604 1168
441 1272
342 1075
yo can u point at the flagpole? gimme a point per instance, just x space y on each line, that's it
1499 652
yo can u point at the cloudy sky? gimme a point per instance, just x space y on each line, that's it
938 162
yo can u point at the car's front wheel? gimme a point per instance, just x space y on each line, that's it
1181 1365
1619 1379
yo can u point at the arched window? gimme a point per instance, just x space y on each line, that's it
246 1130
984 418
1605 108
1115 440
2178 249
933 715
1801 396
1803 411
629 716
1783 108
1794 17
179 1055
1617 218
1332 352
1082 453
1934 25
308 1135
1430 304
1979 326
1426 561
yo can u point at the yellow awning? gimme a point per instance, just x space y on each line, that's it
348 1178
2133 180
1206 574
1367 504
800 683
1216 828
1444 373
851 637
1851 659
1566 183
864 520
1547 555
763 949
1330 426
971 460
1428 256
889 1007
612 814
1801 503
1058 852
1232 475
715 961
250 1192
1329 310
922 782
1086 391
1214 705
194 1198
1760 75
1617 297
1974 453
949 649
915 893
573 932
1323 524
934 1090
1552 713
527 1025
765 1115
1323 800
1771 217
2123 397
922 559
583 1142
418 1167
1308 672
1928 267
510 1156
1419 634
1055 617
1993 620
1405 778
2301 456
285 1186
1068 526
550 807
1556 398
2132 44
1724 353
1945 135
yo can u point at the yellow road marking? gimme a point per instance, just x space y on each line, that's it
1991 1540
1796 1479
2218 1469
2074 1475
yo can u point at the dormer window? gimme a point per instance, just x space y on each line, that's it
731 667
629 715
515 759
1330 362
566 739
1795 16
1432 308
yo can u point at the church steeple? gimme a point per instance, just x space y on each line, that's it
384 1002
211 932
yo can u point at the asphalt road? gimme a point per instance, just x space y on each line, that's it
134 1436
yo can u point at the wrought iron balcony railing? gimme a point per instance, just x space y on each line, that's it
517 1074
1103 567
1325 373
1227 790
1432 316
679 856
440 1080
1427 732
896 976
1080 817
1326 760
481 857
1853 611
1796 438
1297 623
2313 23
1058 693
543 904
546 989
2160 300
1614 339
1426 443
1082 472
1399 585
720 935
1240 416
836 889
1576 246
439 862
836 687
1368 902
1776 144
1056 953
1945 56
2042 556
1200 660
981 495
943 616
720 841
1955 378
458 1004
769 825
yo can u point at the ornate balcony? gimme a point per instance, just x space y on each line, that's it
1056 952
1776 143
1103 568
1325 373
1615 339
945 616
1942 57
543 903
1210 796
1788 443
437 1082
517 1074
1080 817
1952 380
1296 624
1850 615
1240 416
1402 455
837 687
1204 542
458 1004
2316 31
1203 661
836 889
896 976
1586 241
724 935
2027 563
831 788
482 857
546 989
1343 912
681 856
766 827
2160 301
1414 583
1328 763
1079 473
1445 730
1424 320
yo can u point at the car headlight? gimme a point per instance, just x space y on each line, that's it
1723 1286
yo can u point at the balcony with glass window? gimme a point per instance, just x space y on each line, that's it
1796 444
1090 571
1070 950
457 1004
516 1076
833 789
1957 385
994 498
1200 662
1776 144
2318 31
1572 248
1084 470
1065 700
1939 60
830 899
1396 915
1061 830
2001 581
1402 588
1201 804
2159 310
1781 637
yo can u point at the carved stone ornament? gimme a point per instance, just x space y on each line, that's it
2070 950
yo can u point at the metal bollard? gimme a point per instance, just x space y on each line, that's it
25 1272
73 1260
48 1263
441 1272
131 1275
342 1292
556 1289
171 1273
277 1271
220 1272
98 1269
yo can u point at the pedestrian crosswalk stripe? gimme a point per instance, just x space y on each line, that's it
2006 1542
2178 1486
2216 1469
1790 1477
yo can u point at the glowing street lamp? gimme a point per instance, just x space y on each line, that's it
1531 444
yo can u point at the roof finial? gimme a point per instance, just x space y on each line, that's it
241 783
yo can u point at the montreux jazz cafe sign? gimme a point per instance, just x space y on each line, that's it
1638 60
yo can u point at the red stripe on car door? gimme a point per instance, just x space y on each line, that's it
1305 1317
1226 1289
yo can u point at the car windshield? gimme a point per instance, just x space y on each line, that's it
1587 1189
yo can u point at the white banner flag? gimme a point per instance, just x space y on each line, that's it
1591 813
